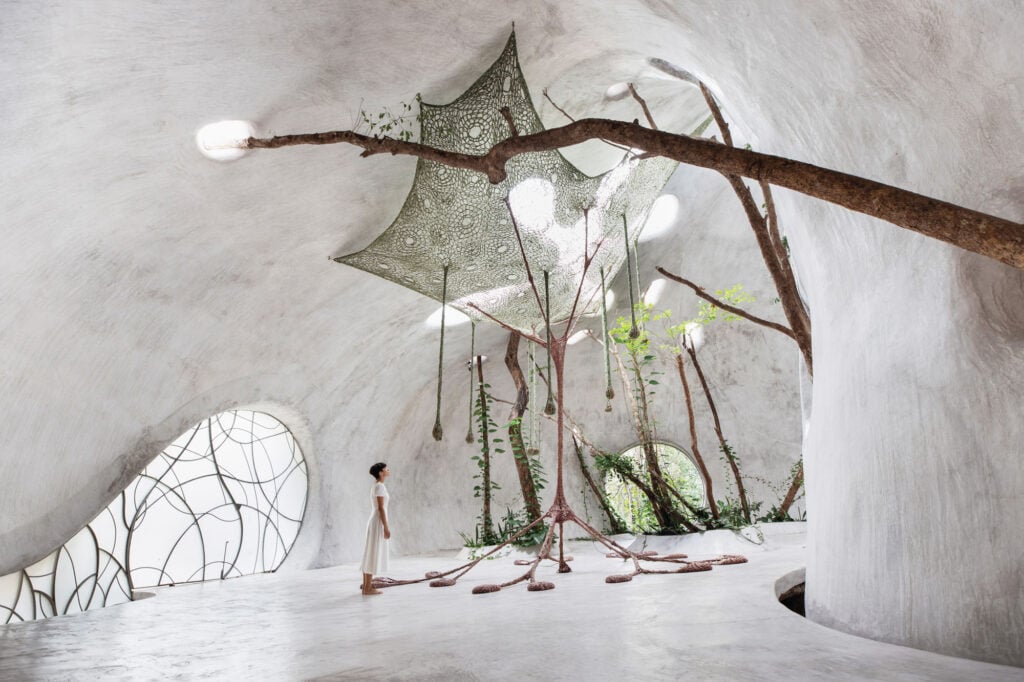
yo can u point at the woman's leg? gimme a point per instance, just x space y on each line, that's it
368 584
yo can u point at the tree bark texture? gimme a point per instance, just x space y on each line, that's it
515 429
741 491
988 235
794 488
657 492
702 293
767 234
614 522
708 488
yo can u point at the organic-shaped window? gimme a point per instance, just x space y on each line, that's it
225 499
630 503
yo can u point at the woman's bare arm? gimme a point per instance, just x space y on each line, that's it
383 517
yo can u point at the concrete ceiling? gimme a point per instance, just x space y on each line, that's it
143 286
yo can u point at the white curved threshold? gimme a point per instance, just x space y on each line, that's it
721 624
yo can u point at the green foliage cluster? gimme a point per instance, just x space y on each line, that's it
536 468
626 474
507 526
626 499
388 124
488 532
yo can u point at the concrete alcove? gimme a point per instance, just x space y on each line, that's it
145 286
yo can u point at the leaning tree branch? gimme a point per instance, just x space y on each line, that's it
560 110
794 487
980 233
643 105
725 306
777 264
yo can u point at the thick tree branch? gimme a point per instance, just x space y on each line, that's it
794 488
988 235
515 429
725 306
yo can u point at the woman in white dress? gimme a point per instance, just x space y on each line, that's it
375 555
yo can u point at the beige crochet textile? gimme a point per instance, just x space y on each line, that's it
456 218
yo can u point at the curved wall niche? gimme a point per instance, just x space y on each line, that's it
225 499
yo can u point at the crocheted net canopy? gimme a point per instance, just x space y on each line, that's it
456 218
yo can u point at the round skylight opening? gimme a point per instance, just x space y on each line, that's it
578 336
617 91
224 140
452 318
654 291
661 218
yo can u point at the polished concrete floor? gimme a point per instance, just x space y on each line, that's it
720 625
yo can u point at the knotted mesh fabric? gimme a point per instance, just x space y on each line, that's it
456 218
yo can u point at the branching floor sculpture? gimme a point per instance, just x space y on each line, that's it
559 514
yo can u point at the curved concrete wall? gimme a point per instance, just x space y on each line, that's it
145 287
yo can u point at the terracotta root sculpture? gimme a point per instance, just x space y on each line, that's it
560 513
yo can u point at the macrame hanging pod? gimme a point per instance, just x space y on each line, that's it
472 350
549 407
609 392
438 432
634 332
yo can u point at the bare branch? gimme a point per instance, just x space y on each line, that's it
798 481
507 115
987 235
522 252
492 318
643 105
776 262
562 111
773 225
723 127
725 306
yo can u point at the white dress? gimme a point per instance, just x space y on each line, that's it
375 555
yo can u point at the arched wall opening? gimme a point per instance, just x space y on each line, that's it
226 498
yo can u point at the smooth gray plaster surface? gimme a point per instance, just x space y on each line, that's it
144 287
720 625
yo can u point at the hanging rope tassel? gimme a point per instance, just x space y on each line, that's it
438 432
532 409
549 407
636 268
472 346
609 392
633 331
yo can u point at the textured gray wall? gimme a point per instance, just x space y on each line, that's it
144 287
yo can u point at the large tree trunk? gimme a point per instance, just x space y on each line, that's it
988 235
515 429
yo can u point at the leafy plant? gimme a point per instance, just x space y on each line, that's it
386 123
486 485
508 525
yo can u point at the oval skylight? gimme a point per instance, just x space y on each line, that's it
224 140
